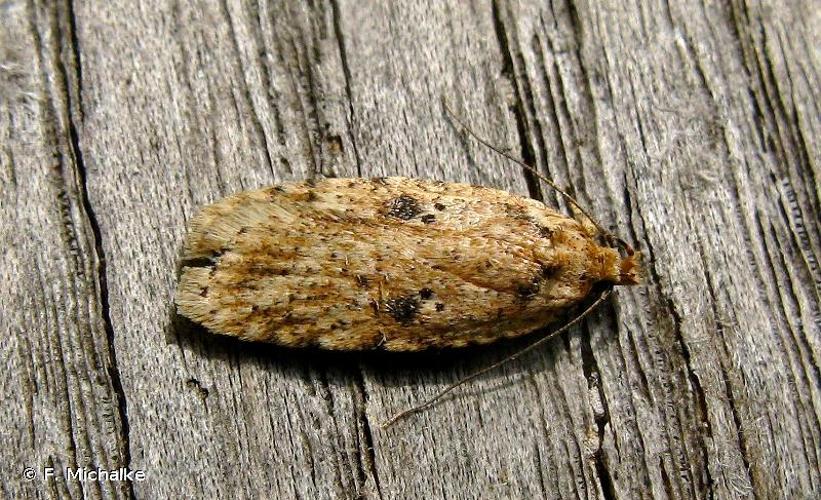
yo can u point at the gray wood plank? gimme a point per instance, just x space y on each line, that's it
61 388
691 129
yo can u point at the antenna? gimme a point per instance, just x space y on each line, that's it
608 236
430 402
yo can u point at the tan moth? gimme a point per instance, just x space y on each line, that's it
394 263
391 263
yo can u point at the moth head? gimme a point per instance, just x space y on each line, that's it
630 269
622 266
629 261
618 266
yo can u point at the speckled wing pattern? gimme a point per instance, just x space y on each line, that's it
392 263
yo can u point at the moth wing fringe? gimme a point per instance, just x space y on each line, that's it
190 298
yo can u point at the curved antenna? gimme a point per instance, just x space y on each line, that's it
608 236
430 402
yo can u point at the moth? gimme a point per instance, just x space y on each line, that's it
391 263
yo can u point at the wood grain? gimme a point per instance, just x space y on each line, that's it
691 128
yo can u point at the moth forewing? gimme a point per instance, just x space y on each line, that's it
390 263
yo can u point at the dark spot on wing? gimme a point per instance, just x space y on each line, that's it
438 206
440 307
544 232
200 262
527 291
311 196
402 309
426 293
428 218
403 207
515 211
550 270
255 269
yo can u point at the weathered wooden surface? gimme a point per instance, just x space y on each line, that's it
692 127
